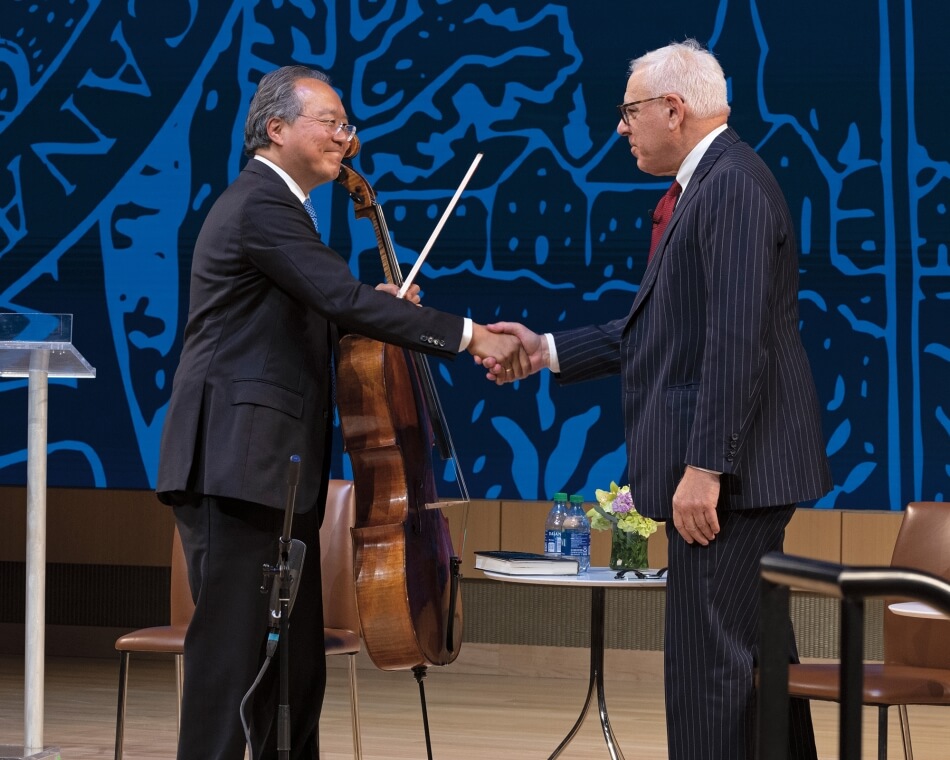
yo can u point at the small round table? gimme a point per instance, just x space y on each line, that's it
917 610
598 579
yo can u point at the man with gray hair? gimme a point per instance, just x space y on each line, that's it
721 415
253 388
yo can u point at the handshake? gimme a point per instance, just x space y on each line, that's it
508 350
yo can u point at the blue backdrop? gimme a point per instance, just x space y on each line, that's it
121 122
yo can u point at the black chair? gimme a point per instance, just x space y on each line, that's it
915 670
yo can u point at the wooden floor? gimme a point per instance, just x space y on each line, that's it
471 716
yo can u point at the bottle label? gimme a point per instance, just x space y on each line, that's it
552 542
575 544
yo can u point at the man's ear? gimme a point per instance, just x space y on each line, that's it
275 130
676 110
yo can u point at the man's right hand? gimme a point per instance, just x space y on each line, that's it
503 354
535 347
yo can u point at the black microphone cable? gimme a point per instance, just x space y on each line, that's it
290 555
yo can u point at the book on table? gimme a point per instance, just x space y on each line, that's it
525 563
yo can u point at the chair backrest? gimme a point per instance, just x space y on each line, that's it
923 543
336 558
181 604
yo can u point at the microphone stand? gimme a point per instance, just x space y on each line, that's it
280 619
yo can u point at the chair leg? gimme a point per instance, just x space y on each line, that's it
354 710
179 683
120 709
882 732
905 732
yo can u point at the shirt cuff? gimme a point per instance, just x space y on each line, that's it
703 469
467 331
553 363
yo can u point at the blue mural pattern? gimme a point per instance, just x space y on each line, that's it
120 123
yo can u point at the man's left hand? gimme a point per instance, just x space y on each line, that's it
694 506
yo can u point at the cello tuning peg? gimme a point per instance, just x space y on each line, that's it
352 147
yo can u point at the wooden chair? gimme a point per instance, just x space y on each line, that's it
916 668
164 639
341 619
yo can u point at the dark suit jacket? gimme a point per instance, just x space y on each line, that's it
253 382
713 369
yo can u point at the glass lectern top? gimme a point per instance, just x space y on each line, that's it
26 340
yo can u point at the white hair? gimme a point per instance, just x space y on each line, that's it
689 70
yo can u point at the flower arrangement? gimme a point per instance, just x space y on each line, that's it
614 511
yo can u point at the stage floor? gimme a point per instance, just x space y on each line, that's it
471 716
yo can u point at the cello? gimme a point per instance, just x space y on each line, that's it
407 574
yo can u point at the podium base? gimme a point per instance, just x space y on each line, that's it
17 752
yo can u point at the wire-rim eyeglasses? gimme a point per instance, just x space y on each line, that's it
335 126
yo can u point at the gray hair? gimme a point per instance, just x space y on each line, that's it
689 70
275 97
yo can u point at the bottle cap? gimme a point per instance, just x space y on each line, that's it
579 498
560 496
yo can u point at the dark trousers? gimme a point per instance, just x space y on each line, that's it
712 639
226 544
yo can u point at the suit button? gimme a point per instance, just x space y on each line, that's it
441 342
734 437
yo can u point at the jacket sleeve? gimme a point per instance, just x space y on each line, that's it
282 245
738 245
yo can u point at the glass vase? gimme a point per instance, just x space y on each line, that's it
627 550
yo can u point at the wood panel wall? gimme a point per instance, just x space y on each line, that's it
121 539
849 537
117 527
91 526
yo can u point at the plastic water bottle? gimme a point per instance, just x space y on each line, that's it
576 540
554 526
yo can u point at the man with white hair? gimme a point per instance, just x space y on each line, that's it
722 420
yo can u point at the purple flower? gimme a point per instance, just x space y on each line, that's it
622 503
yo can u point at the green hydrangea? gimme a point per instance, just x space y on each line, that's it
615 507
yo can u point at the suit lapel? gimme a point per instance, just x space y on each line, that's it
263 170
708 160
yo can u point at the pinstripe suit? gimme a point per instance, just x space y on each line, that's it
714 375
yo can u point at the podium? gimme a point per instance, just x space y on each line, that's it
38 347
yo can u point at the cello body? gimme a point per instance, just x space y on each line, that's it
407 577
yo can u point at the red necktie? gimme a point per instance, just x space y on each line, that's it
662 215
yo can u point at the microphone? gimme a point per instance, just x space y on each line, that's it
295 558
290 557
293 478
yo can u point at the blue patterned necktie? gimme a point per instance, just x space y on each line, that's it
308 205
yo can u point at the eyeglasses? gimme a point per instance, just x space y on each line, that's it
335 126
626 114
640 574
